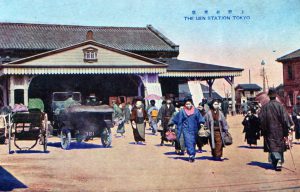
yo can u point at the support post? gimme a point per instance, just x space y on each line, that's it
230 80
210 83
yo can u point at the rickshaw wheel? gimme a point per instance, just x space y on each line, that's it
106 138
65 138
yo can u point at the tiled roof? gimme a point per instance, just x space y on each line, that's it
293 55
248 87
50 37
190 66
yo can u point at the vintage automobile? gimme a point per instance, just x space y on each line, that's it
83 122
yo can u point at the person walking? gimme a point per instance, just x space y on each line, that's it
179 142
164 115
138 122
216 122
201 141
225 106
244 107
251 127
275 126
188 121
152 116
127 112
296 118
119 118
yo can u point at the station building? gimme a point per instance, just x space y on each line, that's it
39 59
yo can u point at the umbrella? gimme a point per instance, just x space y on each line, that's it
153 97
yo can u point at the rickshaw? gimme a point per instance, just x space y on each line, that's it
28 125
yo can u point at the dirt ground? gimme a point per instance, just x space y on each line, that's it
151 167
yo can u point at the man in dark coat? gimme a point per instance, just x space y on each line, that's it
225 106
275 125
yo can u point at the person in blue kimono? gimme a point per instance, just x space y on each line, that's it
188 121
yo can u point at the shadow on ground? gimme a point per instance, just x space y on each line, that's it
261 164
253 147
8 182
185 158
75 145
30 151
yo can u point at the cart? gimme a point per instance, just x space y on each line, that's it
30 125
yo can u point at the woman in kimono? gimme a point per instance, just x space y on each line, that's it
188 121
251 127
217 124
138 122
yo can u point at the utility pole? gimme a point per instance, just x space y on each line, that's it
264 75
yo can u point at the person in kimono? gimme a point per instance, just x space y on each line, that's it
201 141
127 112
296 118
152 116
164 115
138 122
251 127
216 122
188 121
119 118
275 125
179 142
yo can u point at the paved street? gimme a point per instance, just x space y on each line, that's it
150 167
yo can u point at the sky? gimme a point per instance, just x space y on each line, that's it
266 30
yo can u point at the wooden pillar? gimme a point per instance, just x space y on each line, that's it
210 83
230 80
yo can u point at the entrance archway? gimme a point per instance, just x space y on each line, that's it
103 86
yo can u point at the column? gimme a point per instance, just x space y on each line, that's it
233 97
11 97
230 80
26 96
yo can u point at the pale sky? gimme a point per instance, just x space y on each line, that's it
271 32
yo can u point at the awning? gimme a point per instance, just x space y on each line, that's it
59 70
202 74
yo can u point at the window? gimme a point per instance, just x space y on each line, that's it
90 55
290 72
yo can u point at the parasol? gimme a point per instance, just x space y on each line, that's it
153 97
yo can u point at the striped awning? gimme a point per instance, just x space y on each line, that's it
59 70
201 74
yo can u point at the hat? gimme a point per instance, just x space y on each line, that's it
272 92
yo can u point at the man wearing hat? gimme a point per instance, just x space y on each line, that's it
296 118
275 125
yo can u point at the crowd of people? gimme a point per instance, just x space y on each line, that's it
273 122
188 127
178 122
